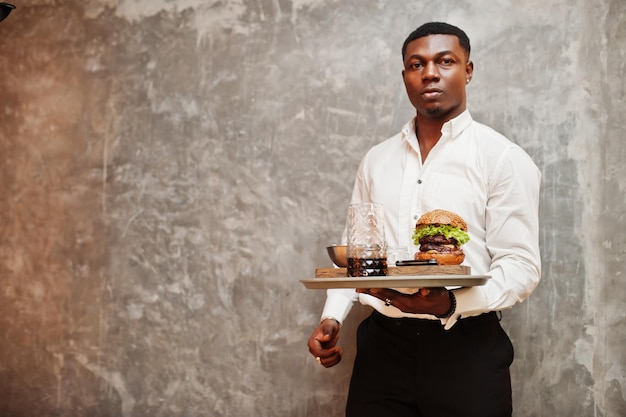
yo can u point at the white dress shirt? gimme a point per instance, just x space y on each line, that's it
475 172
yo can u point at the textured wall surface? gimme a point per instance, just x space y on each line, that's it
170 168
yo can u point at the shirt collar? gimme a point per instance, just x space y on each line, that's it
451 128
454 127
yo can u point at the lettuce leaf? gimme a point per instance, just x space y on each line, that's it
448 231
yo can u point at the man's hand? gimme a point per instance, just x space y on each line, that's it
323 341
435 301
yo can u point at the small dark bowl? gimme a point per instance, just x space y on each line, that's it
338 254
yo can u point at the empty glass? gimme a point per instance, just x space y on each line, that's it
397 253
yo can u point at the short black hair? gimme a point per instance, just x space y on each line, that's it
438 28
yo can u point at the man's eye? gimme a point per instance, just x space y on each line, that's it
416 65
447 61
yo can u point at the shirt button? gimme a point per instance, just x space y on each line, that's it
415 217
419 181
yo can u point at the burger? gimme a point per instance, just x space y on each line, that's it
440 235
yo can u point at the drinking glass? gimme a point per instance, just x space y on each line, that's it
397 253
367 247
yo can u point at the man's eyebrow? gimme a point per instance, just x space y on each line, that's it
437 55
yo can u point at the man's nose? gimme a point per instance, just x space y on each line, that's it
430 71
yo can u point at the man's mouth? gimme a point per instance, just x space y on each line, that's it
430 93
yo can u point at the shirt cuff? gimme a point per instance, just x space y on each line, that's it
470 301
339 303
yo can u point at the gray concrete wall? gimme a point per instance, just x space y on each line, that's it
170 169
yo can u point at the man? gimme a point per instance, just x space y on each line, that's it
441 353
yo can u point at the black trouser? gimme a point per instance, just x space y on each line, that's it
415 368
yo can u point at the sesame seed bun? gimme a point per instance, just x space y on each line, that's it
439 216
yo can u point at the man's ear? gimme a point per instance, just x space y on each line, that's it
469 69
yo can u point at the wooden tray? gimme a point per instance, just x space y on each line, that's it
394 271
405 284
407 279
